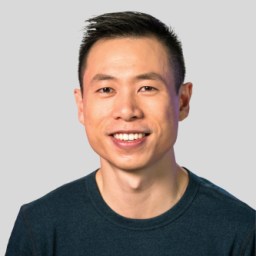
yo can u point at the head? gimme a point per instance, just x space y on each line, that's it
132 95
132 24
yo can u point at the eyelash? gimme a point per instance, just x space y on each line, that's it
148 88
109 90
103 90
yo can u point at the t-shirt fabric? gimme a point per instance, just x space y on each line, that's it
74 220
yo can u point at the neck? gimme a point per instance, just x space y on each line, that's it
143 193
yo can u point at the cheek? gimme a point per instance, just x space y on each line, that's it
163 109
164 116
173 110
96 117
94 111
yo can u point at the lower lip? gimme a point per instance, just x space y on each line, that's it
129 144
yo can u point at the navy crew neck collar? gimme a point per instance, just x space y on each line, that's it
141 224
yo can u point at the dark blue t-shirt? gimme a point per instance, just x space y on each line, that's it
74 220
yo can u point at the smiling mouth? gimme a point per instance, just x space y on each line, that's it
129 136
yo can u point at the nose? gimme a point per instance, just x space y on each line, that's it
127 108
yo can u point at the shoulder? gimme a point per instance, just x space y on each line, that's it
59 202
220 214
217 196
56 214
222 209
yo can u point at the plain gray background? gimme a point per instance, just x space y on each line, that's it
43 146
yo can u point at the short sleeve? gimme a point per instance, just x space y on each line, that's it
20 243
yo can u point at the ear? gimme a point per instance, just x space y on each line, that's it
185 93
80 105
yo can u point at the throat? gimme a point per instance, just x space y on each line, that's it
133 197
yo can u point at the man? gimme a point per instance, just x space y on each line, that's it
140 201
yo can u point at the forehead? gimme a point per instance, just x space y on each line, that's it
151 45
127 56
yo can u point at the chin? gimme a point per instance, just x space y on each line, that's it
127 165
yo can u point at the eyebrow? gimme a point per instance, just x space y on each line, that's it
145 76
102 77
151 76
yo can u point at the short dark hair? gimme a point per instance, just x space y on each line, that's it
131 24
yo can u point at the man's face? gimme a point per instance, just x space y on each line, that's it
130 108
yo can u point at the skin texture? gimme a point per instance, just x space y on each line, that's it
129 87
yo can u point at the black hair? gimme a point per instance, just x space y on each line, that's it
131 24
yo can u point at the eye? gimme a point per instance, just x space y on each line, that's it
147 89
105 90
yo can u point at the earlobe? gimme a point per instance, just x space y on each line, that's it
185 93
79 104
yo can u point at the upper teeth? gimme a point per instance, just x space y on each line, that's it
129 136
